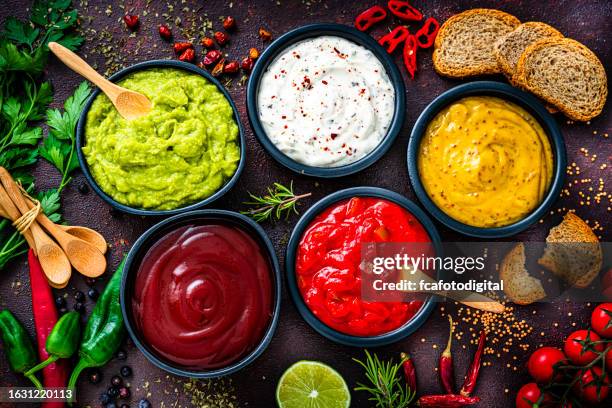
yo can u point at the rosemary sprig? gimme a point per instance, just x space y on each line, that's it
386 388
280 199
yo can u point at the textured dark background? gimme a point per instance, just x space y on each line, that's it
586 21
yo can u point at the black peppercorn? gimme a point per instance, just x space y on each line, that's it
79 296
93 293
116 381
113 392
60 301
126 371
83 188
144 403
79 307
121 355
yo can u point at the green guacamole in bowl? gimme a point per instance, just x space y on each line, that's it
183 151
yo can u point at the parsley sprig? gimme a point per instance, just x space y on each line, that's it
24 99
279 200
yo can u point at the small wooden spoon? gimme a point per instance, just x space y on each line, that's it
475 300
83 256
53 260
129 104
86 234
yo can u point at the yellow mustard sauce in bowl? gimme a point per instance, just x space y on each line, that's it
485 162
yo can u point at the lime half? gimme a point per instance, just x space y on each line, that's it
310 384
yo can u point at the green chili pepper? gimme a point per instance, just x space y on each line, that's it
18 346
63 340
104 330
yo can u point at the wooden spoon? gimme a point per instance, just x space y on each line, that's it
129 104
9 211
86 234
53 260
475 300
85 258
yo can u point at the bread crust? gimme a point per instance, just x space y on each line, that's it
503 62
521 79
508 274
442 69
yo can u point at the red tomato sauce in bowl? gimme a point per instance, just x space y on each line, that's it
203 295
328 264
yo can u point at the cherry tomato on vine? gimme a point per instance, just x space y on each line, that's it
530 394
578 350
601 320
609 361
589 390
541 363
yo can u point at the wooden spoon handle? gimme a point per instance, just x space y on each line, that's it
11 212
78 65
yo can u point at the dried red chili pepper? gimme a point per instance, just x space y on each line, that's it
231 67
180 47
472 375
446 369
404 10
446 401
218 69
211 57
229 23
393 39
208 42
410 54
221 38
188 55
131 21
409 371
428 32
369 17
164 32
264 34
253 53
247 64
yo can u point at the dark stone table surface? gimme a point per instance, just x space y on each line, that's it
586 21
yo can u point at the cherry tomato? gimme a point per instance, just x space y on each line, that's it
529 394
576 352
588 390
609 361
601 320
541 362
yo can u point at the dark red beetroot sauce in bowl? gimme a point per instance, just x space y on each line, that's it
203 296
328 264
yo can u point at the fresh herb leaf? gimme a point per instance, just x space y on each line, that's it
279 200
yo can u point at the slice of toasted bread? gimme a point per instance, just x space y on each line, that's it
508 49
573 252
565 74
464 45
519 286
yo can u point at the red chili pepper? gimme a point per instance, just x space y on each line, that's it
447 372
429 31
229 23
368 18
164 32
45 317
221 37
211 57
472 375
404 10
247 64
392 40
231 67
446 401
131 21
410 54
188 55
207 42
180 47
409 371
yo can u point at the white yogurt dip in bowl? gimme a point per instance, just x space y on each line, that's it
326 100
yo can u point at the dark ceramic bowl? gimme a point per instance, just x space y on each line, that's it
81 138
509 93
139 250
292 247
317 30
